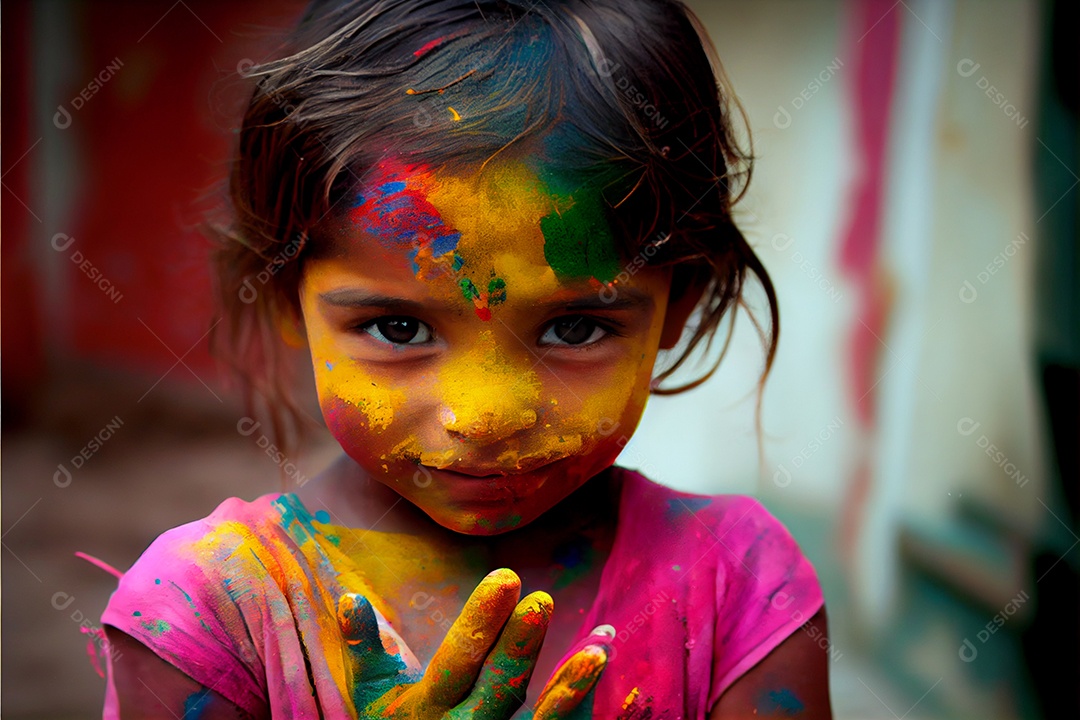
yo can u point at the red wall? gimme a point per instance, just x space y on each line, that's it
146 146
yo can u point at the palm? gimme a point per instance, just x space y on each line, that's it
482 668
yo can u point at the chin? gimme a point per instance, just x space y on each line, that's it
480 523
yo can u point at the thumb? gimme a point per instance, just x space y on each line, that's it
359 626
369 661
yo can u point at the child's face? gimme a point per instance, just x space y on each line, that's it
464 353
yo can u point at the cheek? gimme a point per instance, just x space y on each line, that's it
360 409
597 413
617 395
348 395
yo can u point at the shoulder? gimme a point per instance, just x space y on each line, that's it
754 557
763 587
201 542
189 597
742 522
181 565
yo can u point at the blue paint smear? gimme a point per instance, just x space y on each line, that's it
400 221
322 516
394 186
572 553
195 704
444 244
678 507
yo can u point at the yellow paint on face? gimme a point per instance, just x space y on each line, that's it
483 397
376 401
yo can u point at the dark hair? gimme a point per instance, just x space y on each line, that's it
628 93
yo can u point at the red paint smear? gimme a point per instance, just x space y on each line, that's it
877 24
428 46
396 221
481 304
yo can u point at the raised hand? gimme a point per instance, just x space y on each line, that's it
482 668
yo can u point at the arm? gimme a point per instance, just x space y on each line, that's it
791 681
148 687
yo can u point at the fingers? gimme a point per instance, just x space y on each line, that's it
504 679
571 683
454 669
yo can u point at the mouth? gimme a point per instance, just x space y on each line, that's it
471 473
485 473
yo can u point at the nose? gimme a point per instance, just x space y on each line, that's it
485 397
486 423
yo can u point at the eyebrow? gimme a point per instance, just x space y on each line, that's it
625 299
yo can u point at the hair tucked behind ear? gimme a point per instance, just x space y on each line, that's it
626 94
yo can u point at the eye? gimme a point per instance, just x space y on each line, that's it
398 330
574 330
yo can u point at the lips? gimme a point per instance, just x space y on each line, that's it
487 473
479 474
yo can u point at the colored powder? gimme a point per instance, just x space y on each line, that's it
378 405
361 630
468 289
512 664
578 240
195 704
486 392
510 522
396 211
295 519
783 700
496 291
578 677
191 604
428 46
155 627
677 507
445 224
575 557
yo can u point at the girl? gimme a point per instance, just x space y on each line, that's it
483 220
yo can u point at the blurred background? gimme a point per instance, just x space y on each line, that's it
915 200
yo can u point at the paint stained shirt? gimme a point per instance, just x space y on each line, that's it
699 589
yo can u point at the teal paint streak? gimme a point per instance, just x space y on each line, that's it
783 701
295 518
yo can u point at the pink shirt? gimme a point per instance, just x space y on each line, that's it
699 589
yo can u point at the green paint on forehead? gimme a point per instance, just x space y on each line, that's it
577 239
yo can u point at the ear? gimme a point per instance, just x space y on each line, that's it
688 285
291 327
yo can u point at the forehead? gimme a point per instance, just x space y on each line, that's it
443 216
478 232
